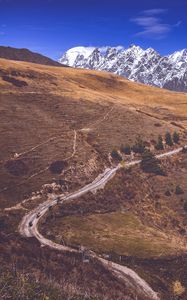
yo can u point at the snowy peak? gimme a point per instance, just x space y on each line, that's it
145 66
135 49
178 56
70 57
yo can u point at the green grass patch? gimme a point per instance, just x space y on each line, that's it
122 233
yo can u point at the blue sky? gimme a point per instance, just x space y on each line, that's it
52 26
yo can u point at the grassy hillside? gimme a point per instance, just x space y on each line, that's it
58 128
41 107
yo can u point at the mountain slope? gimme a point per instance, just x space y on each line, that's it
145 66
26 55
39 103
58 127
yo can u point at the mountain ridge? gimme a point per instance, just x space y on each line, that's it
24 54
144 66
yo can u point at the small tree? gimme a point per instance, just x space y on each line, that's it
184 149
159 145
179 190
176 137
150 164
168 139
58 166
185 206
50 214
115 155
2 223
126 149
139 146
168 193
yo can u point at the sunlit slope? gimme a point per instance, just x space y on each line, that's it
99 86
41 107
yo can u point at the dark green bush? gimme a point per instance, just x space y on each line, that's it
176 137
184 149
58 166
139 146
126 149
185 206
179 190
168 139
150 164
115 155
168 193
159 145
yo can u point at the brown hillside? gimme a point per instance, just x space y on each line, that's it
58 127
41 106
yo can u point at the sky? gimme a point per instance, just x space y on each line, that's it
51 27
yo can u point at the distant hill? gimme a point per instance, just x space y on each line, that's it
26 55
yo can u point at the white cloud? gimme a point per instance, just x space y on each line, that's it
154 11
152 25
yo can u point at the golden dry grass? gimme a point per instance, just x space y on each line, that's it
110 109
99 86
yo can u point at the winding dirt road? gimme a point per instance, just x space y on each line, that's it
28 228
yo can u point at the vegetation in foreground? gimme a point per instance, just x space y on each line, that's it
31 272
16 285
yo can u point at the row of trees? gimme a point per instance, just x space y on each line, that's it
149 162
140 146
170 140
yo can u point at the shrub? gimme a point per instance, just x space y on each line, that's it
158 125
168 139
115 155
168 193
178 288
184 149
179 190
126 149
2 223
185 206
58 166
159 145
139 146
176 137
182 231
150 164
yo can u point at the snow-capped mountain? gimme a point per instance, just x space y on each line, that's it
145 66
